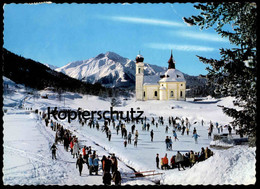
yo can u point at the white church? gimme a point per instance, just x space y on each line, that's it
170 86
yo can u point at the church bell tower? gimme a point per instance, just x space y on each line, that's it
139 77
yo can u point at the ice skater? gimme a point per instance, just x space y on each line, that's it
175 135
151 134
195 136
135 141
129 138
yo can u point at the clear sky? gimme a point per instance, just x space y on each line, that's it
57 34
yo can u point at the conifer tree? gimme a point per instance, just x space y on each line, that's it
235 73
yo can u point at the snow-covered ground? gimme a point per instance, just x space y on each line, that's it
27 142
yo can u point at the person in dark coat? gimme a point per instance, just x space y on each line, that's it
202 155
229 130
107 178
157 161
79 163
117 177
125 143
167 142
66 141
109 135
151 134
53 150
117 129
194 130
107 165
166 129
129 138
148 126
46 122
113 163
133 128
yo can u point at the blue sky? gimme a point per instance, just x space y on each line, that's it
57 34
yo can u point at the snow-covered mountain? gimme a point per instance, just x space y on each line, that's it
51 66
109 69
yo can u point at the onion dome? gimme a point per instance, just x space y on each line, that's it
139 58
171 62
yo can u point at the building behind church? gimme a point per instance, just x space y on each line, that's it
170 86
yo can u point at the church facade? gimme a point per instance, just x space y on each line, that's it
169 86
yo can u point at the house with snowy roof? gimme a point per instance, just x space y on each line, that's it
169 86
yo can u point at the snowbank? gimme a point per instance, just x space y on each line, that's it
233 166
220 143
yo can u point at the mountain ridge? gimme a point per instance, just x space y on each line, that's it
112 70
109 69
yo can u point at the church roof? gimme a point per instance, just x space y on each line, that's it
151 79
172 75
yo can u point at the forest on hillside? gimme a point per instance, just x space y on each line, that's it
38 76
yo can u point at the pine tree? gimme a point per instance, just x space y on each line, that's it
235 73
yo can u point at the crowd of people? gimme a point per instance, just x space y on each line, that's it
84 155
183 160
109 164
177 124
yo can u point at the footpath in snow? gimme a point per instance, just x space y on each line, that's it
27 155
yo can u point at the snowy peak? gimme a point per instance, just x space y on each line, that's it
109 69
51 66
72 65
115 57
101 55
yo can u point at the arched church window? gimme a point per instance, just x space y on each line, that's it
172 93
144 94
155 93
139 70
181 93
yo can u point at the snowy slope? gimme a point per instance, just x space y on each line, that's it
110 69
27 158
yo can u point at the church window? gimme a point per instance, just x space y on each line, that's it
181 93
155 93
171 93
139 70
144 94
